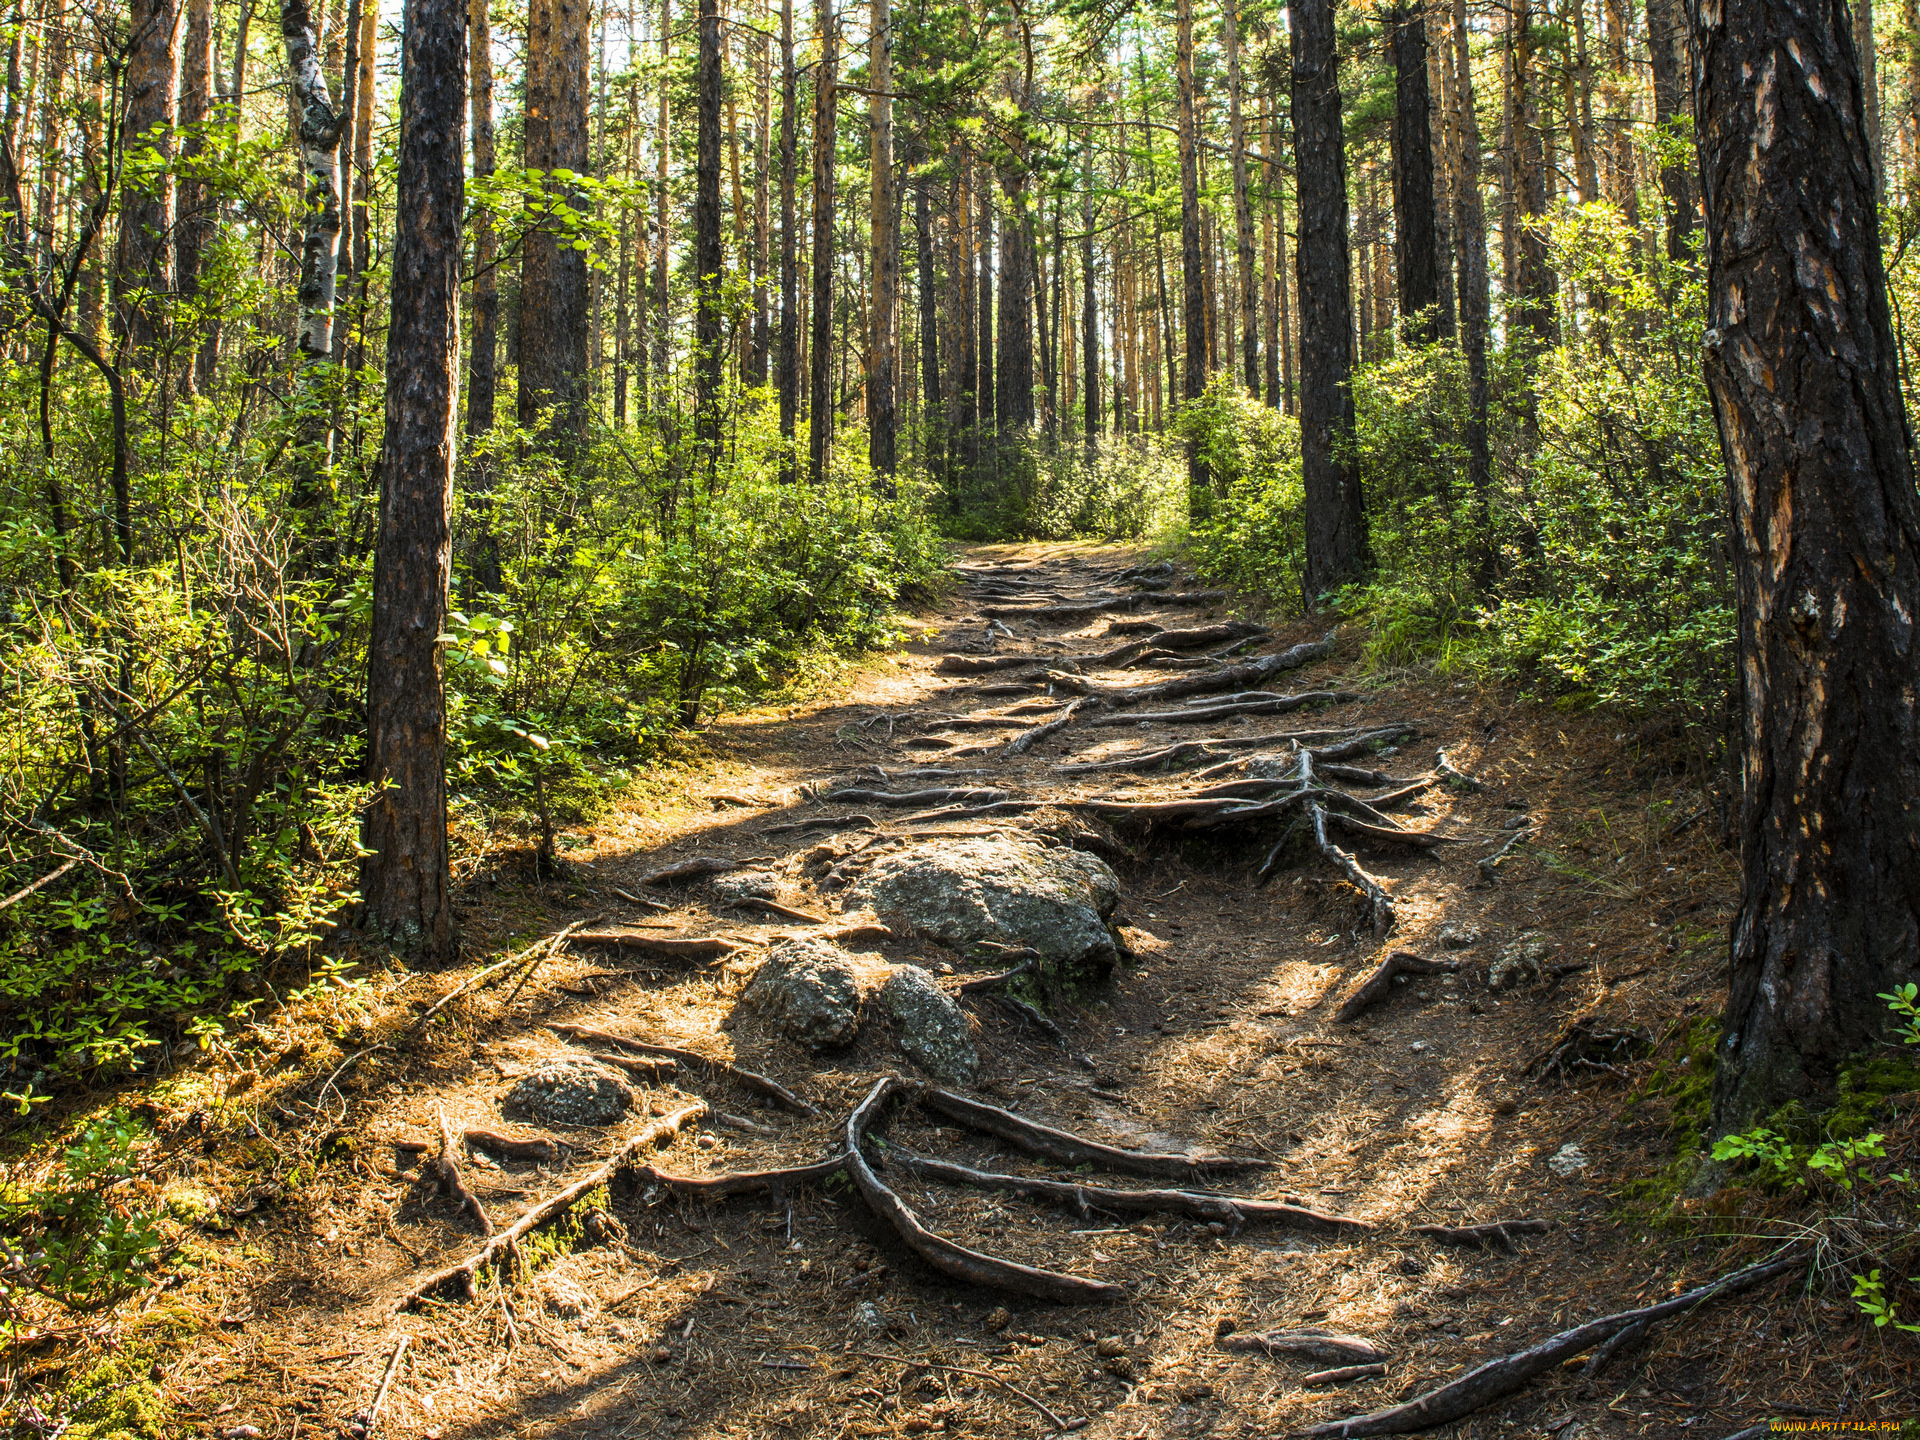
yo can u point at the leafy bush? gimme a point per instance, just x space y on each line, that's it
1118 488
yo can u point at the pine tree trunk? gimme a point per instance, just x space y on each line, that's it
319 140
1667 49
362 168
1470 224
404 881
825 128
966 363
1089 308
553 274
762 204
984 397
708 258
886 281
1336 526
1867 55
194 226
483 366
1013 382
1802 364
931 403
662 391
789 357
1539 290
1415 220
1193 301
143 268
1446 165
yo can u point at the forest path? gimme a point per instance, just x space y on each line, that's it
801 1314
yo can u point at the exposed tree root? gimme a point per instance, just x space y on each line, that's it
1492 863
1379 903
1065 1146
447 1164
1234 677
1040 1021
1020 744
943 1254
1500 1377
1444 768
460 1278
1377 986
774 907
1343 1374
1060 1426
1324 1345
1079 609
543 1150
986 664
743 1182
665 947
535 952
913 799
825 822
1029 962
1203 715
690 869
1233 1211
1497 1234
751 1080
1590 1043
1186 750
653 1071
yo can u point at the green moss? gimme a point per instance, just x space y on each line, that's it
117 1398
564 1235
1864 1087
191 1204
1684 1079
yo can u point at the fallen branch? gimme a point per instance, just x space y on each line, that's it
1065 1146
1377 986
366 1428
460 1278
24 891
943 1254
1495 1234
752 1080
1325 1345
1500 1377
1234 677
447 1163
743 1182
1233 1211
536 951
1625 1340
1343 1374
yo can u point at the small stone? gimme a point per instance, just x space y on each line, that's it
564 1298
932 1028
707 1142
746 885
660 1354
1518 963
1567 1161
1459 937
1418 1046
569 1092
867 1316
1110 1346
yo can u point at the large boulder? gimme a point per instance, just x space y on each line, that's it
960 892
812 990
930 1026
569 1092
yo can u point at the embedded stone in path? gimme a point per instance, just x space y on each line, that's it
930 1025
811 991
569 1092
1011 892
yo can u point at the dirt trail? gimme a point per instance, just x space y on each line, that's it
801 1314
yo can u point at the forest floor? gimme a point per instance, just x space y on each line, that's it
802 1314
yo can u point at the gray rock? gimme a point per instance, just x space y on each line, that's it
961 892
1567 1161
1459 937
747 885
1518 963
812 990
569 1092
932 1028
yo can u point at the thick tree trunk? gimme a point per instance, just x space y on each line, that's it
1415 220
1193 290
1013 392
1804 372
789 358
886 279
143 269
825 128
662 393
553 274
1446 164
1336 525
1089 308
762 205
404 880
985 402
709 260
1539 290
319 139
1470 224
1667 49
966 361
1866 52
1242 210
194 228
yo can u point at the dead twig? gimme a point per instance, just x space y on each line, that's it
536 951
1324 1345
461 1277
367 1427
1343 1374
1020 744
1495 1234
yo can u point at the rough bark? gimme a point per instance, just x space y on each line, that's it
1193 291
936 439
1089 309
553 274
1242 210
1802 366
194 228
1866 53
709 259
319 139
1336 527
825 128
1667 49
404 880
1416 222
1536 310
483 366
789 358
1013 384
885 267
983 393
143 267
1470 224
